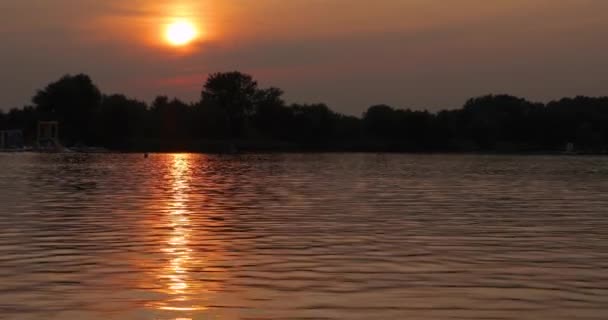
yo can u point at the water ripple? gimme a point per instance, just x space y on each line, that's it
288 236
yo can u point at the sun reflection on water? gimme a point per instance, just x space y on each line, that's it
176 276
185 276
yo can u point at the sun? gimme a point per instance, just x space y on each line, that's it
181 33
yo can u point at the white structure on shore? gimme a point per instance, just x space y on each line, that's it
48 136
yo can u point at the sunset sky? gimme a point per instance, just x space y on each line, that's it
348 53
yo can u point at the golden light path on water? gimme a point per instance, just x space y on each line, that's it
177 281
298 236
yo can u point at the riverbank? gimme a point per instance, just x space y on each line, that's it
271 146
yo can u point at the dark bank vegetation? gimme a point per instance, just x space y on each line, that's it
234 112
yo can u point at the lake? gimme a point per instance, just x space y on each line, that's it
303 236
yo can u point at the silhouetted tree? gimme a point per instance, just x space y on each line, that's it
271 116
313 124
170 119
121 120
234 108
400 130
73 100
492 120
582 120
210 121
349 129
23 119
380 122
234 92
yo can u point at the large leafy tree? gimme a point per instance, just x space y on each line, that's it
73 101
170 118
236 94
120 120
272 117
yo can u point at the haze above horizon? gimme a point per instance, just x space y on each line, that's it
349 54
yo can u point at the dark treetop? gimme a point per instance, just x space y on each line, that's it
234 111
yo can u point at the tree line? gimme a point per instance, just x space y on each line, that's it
234 111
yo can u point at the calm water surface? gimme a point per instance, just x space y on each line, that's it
330 236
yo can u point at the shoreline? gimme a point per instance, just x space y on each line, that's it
314 151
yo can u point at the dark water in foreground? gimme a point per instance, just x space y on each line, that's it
303 237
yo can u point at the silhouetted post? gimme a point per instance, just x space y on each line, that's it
48 131
570 147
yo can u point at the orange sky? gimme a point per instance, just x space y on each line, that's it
349 53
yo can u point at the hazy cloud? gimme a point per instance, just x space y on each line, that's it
349 53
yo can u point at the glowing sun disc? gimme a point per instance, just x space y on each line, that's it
181 33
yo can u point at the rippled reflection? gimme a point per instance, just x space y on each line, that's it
177 281
340 236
